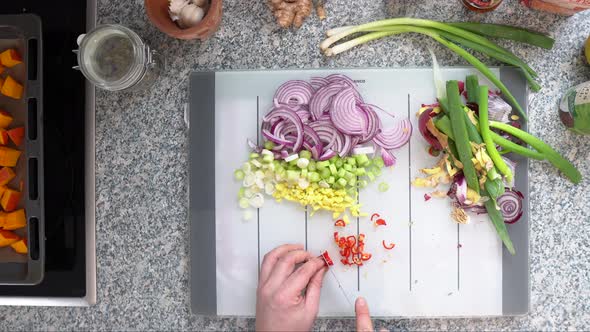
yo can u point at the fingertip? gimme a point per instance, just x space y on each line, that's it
361 305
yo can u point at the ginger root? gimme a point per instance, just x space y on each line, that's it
291 12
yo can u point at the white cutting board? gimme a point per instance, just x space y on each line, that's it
437 268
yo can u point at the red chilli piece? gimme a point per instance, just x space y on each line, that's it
380 222
356 260
340 223
336 237
375 215
351 241
388 246
366 256
427 197
327 259
342 242
361 238
345 252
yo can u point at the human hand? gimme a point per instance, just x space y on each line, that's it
363 317
283 302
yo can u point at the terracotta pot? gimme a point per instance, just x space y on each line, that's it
157 11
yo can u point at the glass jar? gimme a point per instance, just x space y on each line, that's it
115 58
481 6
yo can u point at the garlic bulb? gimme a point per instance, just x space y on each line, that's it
174 8
190 15
200 3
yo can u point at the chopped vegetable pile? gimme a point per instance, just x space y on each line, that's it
473 137
319 136
11 217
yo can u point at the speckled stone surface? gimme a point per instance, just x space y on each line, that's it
141 173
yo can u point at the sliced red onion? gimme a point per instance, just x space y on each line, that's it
277 140
345 115
346 146
339 78
498 109
253 146
328 154
295 92
284 154
473 208
510 204
458 190
424 118
388 158
285 113
395 137
373 124
322 100
318 82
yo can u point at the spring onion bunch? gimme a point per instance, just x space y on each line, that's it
453 36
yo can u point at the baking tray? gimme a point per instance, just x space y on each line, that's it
438 268
23 32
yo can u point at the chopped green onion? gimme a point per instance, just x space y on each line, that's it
269 145
341 172
293 175
239 174
325 173
371 176
304 173
342 182
331 180
305 154
302 162
383 187
333 169
268 158
321 165
244 203
362 159
254 155
347 167
312 165
360 171
313 176
338 163
379 162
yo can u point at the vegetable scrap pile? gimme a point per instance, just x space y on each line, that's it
9 87
318 138
11 218
451 35
473 138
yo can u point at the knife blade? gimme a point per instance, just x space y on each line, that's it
337 281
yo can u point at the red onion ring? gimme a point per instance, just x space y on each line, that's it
345 115
395 137
322 100
510 204
295 92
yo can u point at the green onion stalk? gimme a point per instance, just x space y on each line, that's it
447 35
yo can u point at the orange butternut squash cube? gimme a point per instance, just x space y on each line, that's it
12 88
5 117
2 190
20 246
7 238
10 200
16 135
6 175
10 58
15 220
3 136
8 157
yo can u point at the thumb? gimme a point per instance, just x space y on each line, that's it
363 318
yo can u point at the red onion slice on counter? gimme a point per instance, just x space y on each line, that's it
322 100
388 158
295 92
396 136
510 204
318 82
345 115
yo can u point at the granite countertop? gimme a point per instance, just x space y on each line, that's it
141 174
